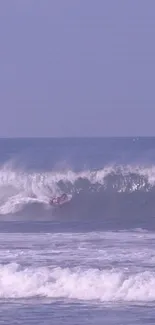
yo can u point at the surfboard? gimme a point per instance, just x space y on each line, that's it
64 201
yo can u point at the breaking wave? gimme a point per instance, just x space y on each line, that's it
108 191
88 285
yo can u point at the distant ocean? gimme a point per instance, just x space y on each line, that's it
92 260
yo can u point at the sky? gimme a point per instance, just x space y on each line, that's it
77 68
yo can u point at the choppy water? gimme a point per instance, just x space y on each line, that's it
91 260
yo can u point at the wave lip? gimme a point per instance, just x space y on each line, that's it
88 285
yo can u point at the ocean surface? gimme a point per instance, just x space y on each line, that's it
92 260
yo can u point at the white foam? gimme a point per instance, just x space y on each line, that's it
91 284
134 250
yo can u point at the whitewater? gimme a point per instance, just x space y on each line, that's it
92 260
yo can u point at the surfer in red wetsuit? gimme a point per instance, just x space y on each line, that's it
59 199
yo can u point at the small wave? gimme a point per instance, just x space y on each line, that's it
91 284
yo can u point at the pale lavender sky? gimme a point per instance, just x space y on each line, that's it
77 67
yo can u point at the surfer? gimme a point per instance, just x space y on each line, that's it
59 199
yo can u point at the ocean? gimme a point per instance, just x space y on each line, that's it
91 260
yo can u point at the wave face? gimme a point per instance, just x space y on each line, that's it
108 192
